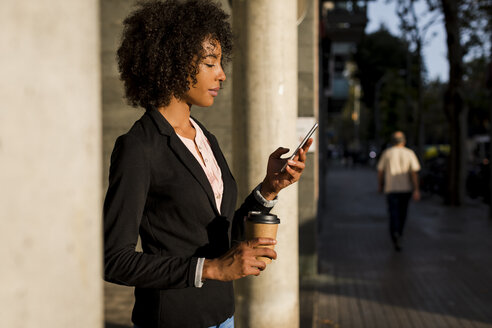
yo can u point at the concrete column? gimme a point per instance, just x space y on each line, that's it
50 155
265 111
308 104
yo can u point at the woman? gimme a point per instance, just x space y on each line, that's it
170 183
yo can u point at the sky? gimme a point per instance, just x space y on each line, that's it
382 12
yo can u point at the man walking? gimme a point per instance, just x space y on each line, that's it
398 173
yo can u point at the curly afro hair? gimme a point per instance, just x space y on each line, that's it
162 46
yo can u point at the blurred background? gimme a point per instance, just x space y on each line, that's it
362 69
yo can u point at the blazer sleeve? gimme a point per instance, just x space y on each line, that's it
129 181
249 204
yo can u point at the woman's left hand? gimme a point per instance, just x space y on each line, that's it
276 180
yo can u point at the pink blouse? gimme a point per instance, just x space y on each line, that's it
209 164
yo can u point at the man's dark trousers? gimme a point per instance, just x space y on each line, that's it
397 207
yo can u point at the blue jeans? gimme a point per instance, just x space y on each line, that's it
229 323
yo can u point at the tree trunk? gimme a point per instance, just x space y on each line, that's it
489 87
419 126
454 106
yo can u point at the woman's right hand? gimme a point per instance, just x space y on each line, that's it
240 261
276 180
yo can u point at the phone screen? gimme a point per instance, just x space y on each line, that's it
303 142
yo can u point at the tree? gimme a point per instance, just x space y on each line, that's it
476 96
381 63
464 22
435 122
454 104
414 31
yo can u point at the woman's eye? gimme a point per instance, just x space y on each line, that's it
210 65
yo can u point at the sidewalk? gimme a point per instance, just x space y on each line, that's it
442 278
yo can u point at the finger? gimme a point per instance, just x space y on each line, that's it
266 252
279 152
261 241
253 267
302 155
298 166
259 264
293 174
307 145
253 271
296 157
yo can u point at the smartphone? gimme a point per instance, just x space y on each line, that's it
306 138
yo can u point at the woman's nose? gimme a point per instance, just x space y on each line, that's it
221 74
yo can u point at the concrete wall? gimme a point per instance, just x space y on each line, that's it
308 107
50 158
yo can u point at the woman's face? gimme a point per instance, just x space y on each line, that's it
210 74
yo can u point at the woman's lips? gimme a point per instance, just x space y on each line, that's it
214 92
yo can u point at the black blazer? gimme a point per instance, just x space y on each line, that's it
159 190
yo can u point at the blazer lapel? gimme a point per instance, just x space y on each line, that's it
186 157
229 194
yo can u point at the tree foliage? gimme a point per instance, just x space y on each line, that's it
477 96
378 54
381 60
474 17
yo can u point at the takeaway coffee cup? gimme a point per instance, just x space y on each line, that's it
262 225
